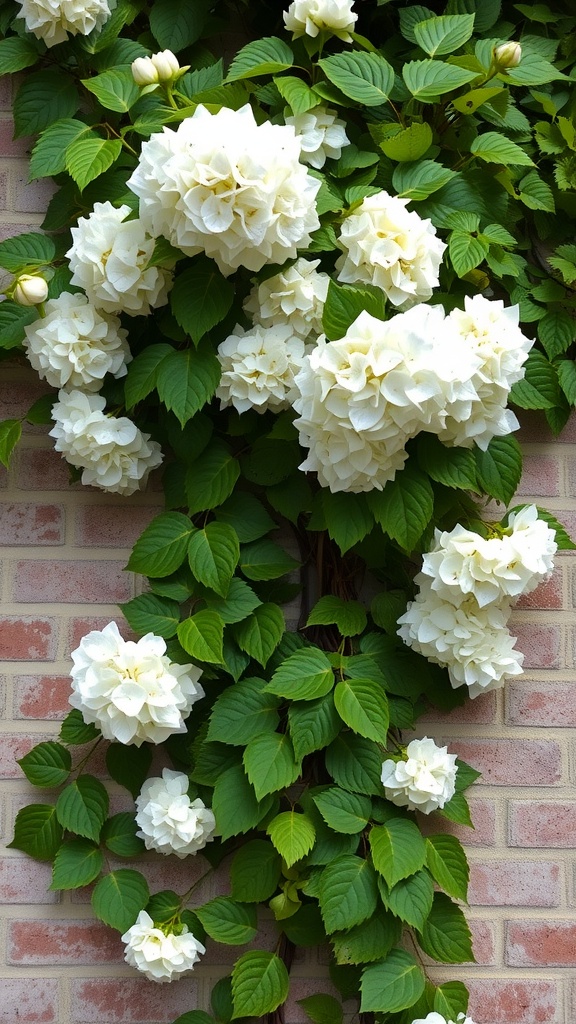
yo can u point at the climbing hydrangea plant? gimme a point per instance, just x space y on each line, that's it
311 282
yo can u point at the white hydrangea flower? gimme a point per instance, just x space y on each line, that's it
531 544
386 245
224 185
490 331
159 956
54 20
169 822
109 261
75 346
424 781
473 643
437 1018
310 17
131 690
295 296
258 368
113 453
322 135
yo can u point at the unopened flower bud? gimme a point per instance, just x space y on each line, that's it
144 71
507 55
30 290
166 64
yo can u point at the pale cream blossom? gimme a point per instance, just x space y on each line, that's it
161 956
168 821
295 296
322 135
55 20
258 368
310 17
424 780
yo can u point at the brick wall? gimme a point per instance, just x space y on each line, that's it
62 552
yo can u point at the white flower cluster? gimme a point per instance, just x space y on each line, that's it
131 690
112 452
386 245
310 17
109 260
424 780
169 822
322 134
224 185
159 956
75 346
466 590
259 367
295 296
54 20
362 397
437 1018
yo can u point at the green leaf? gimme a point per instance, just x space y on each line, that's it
556 331
10 434
265 560
260 633
499 468
364 77
238 604
47 764
445 935
419 180
428 79
119 834
213 554
259 984
447 863
176 24
533 70
363 705
494 148
297 94
247 515
255 872
313 724
322 1009
466 252
242 712
202 635
411 898
451 999
77 863
28 250
305 927
234 803
89 156
343 305
539 389
129 765
83 806
227 921
270 764
536 194
348 518
17 53
149 613
186 380
163 546
43 98
343 811
398 849
348 893
143 373
438 36
13 320
405 506
564 543
406 144
369 941
457 810
393 985
119 897
210 480
349 616
114 89
305 675
292 834
355 764
37 831
453 467
200 298
49 154
265 56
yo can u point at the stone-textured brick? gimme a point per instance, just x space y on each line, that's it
26 523
43 469
41 697
63 942
541 823
541 944
113 526
23 880
541 704
29 1001
67 581
130 1000
517 1001
540 476
547 595
483 814
539 643
514 884
512 762
27 638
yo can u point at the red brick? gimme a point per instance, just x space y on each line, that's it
514 884
483 942
483 814
43 469
63 942
33 196
480 711
543 704
23 880
16 397
41 697
539 823
9 146
27 638
547 596
28 523
29 1000
112 526
131 1000
69 581
539 644
13 746
541 944
508 762
540 476
6 93
513 1002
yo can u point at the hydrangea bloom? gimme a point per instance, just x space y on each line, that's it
131 690
310 17
322 134
159 956
54 20
423 781
74 345
224 185
169 822
490 331
386 245
109 261
258 368
112 452
437 1018
295 296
